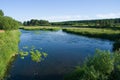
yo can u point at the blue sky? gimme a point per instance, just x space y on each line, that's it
61 10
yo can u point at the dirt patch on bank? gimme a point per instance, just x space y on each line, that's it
1 31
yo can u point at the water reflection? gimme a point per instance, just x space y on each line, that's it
116 46
35 55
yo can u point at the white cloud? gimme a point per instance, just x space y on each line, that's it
66 18
109 15
82 17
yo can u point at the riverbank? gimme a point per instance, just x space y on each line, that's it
51 28
8 48
110 34
1 31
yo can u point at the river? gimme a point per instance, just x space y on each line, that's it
65 51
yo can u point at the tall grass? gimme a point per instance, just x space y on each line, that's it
102 66
8 48
110 34
41 28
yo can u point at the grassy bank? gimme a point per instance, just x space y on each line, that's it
51 28
110 34
8 48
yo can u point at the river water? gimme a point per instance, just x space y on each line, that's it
65 51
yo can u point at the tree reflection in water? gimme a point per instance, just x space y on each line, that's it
116 46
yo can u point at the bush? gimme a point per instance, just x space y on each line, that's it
7 23
102 66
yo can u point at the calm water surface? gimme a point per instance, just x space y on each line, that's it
65 51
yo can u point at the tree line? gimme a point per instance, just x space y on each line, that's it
8 23
90 23
35 22
82 23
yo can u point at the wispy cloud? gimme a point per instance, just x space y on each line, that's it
74 17
66 18
82 17
109 15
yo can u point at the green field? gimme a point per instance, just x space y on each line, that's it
8 48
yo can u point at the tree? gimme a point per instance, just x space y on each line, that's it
35 22
7 23
25 23
1 13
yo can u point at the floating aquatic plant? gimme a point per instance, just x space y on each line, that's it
36 55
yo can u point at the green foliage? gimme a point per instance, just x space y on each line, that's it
102 66
1 13
101 57
23 54
90 23
8 48
41 28
7 23
116 45
36 55
35 22
111 34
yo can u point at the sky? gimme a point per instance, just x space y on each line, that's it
60 10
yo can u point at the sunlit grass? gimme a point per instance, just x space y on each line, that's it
8 48
110 34
51 28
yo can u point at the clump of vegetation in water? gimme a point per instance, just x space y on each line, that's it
36 55
23 54
102 66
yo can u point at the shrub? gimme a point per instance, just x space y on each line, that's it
102 66
7 23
